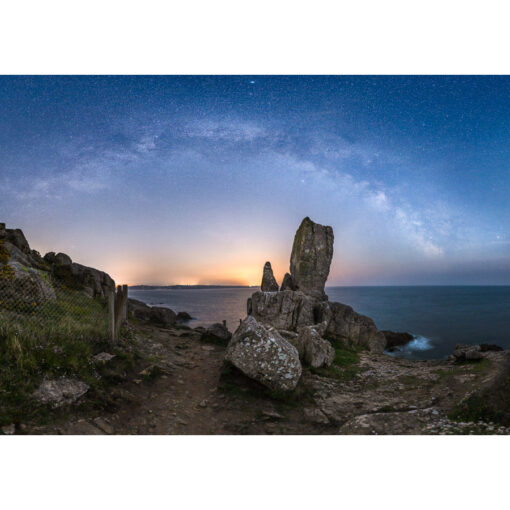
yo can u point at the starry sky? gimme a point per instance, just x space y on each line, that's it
201 179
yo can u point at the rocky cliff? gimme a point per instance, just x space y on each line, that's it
28 275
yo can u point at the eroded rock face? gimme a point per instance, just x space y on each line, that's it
282 310
311 256
268 280
264 355
349 327
313 349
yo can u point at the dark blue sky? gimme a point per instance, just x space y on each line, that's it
201 179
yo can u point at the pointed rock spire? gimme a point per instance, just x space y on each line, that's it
288 283
268 280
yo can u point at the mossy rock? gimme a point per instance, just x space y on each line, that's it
5 256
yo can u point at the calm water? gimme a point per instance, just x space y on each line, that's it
439 317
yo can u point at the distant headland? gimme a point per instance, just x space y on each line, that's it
187 287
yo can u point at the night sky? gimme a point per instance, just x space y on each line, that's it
164 180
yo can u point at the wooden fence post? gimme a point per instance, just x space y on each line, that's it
125 303
120 308
111 316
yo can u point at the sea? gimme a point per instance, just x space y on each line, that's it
438 317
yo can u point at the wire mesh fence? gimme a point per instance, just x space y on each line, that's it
33 303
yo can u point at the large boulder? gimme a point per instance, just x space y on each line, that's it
283 310
396 339
139 310
58 392
217 333
184 317
268 280
60 259
75 276
23 288
311 256
159 315
312 348
350 328
163 316
264 355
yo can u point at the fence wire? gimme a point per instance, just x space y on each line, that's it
33 303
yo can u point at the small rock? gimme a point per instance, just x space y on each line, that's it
58 392
103 425
103 357
203 403
184 317
9 430
269 413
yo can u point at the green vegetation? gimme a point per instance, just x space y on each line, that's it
490 404
345 366
57 338
4 253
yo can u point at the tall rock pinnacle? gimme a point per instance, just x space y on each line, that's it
311 256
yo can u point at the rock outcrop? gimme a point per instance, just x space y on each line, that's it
217 333
264 355
159 315
311 256
288 283
349 327
268 280
467 353
59 266
25 288
283 310
312 348
93 282
22 286
396 339
184 317
163 316
302 301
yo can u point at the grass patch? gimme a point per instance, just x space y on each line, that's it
54 339
345 366
491 404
